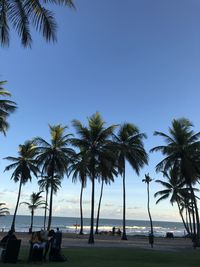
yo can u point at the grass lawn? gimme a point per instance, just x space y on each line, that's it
117 257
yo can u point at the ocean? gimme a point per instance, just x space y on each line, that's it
68 225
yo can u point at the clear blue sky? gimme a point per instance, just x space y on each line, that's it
135 60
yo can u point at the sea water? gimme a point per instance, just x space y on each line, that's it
72 225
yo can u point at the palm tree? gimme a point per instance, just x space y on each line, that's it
35 203
129 147
93 143
3 210
24 165
45 184
147 180
106 173
6 107
53 158
173 188
182 151
22 14
78 169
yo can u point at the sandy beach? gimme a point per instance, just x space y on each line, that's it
73 240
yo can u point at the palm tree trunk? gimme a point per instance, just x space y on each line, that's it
51 201
45 210
151 237
81 209
31 227
91 236
17 204
197 236
124 237
99 206
190 221
179 208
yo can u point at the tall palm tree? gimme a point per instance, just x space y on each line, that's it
22 14
53 158
6 107
3 210
79 170
182 151
35 203
129 147
93 142
24 165
147 180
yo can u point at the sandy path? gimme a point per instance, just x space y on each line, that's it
73 240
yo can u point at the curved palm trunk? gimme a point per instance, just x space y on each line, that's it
183 220
81 209
124 237
91 236
190 221
151 237
99 206
16 208
45 210
195 218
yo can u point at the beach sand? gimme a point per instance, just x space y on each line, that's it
74 240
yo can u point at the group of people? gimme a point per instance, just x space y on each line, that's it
49 242
118 232
45 242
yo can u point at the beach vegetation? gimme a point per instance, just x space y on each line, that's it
4 210
148 180
53 159
24 166
35 203
106 176
79 171
182 153
129 147
93 141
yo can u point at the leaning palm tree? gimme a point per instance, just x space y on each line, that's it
3 210
6 107
53 158
35 203
22 14
174 189
93 143
129 147
147 180
182 151
24 165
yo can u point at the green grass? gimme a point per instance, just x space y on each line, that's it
117 257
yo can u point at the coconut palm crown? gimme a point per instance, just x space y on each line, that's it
6 108
22 14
